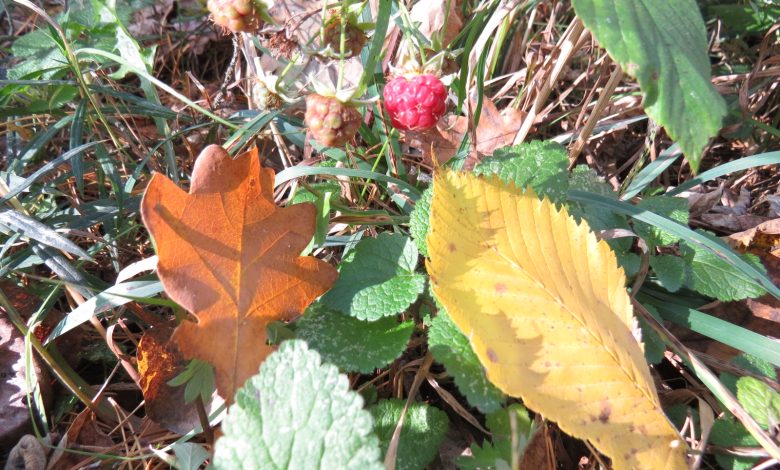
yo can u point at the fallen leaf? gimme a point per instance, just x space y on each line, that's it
763 240
159 360
763 237
15 414
437 17
232 258
496 129
547 312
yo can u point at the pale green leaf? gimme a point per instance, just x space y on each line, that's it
297 413
760 400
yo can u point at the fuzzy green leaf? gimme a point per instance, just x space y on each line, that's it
377 279
498 453
351 344
453 350
728 432
303 194
711 275
539 164
422 432
663 44
669 270
419 223
674 208
760 400
297 413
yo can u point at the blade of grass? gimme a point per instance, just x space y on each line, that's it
44 169
375 50
652 171
76 140
681 231
710 380
112 297
299 171
160 84
715 328
40 232
16 165
67 376
763 159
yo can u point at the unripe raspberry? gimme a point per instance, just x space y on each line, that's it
415 102
354 37
263 98
331 122
238 15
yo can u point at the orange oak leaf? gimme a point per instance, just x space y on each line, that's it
232 258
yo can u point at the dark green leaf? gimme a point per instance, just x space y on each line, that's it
422 432
453 350
377 279
539 164
663 44
419 223
351 344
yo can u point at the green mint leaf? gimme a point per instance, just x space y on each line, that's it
451 348
297 413
714 277
377 279
728 432
674 208
539 164
663 44
422 432
419 223
351 344
750 363
498 453
585 178
760 400
669 270
654 345
303 194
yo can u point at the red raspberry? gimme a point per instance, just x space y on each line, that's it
331 122
415 103
238 15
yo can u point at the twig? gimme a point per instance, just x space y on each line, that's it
601 104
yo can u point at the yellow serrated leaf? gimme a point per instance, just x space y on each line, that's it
545 306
